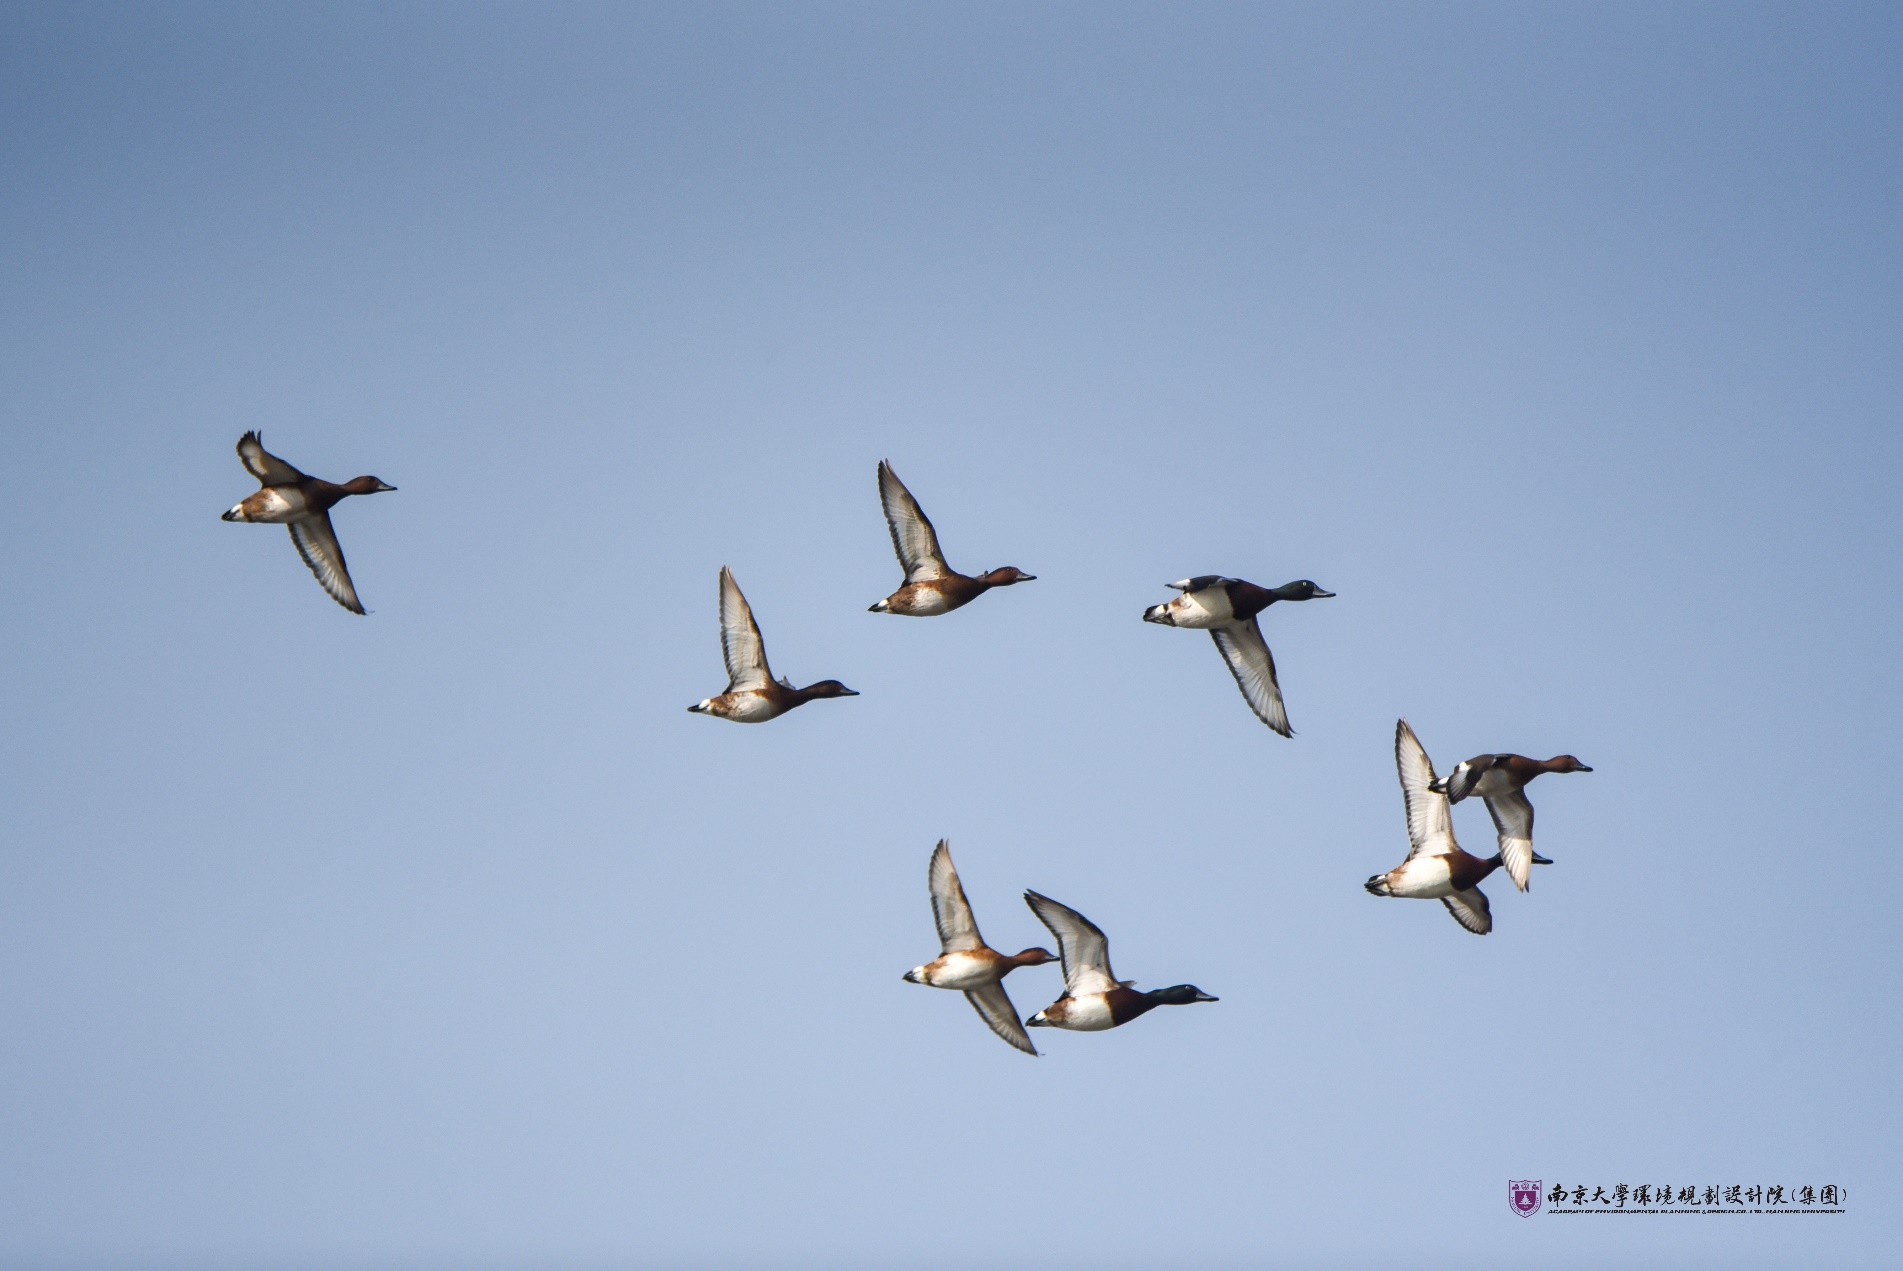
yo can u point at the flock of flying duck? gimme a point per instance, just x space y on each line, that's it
1094 999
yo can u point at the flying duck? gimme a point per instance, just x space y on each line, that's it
931 586
1436 868
302 504
753 696
1501 781
967 963
1227 609
1094 998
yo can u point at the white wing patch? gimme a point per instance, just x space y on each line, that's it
1083 947
1249 660
1470 910
1461 782
993 1005
1513 818
262 464
1430 829
740 643
912 535
317 544
1516 857
957 928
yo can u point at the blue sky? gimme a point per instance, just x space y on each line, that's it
1559 341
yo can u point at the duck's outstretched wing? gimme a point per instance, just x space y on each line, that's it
912 535
1465 776
1470 910
1513 818
265 466
1249 660
957 929
1084 948
317 544
740 643
994 1004
1430 828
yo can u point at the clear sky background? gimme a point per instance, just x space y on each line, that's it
1561 341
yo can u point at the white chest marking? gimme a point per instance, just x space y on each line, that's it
275 506
1088 1014
1202 610
1423 878
964 971
929 600
745 707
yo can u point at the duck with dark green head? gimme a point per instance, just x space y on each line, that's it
1094 999
1226 608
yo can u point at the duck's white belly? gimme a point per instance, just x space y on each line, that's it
274 505
964 971
1202 610
745 707
1423 878
926 602
1088 1014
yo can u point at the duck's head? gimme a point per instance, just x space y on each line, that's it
366 485
1005 575
829 688
1179 995
1566 763
1301 589
1035 957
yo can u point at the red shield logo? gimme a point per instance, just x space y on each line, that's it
1524 1195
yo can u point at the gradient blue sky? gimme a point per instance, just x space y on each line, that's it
1560 340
